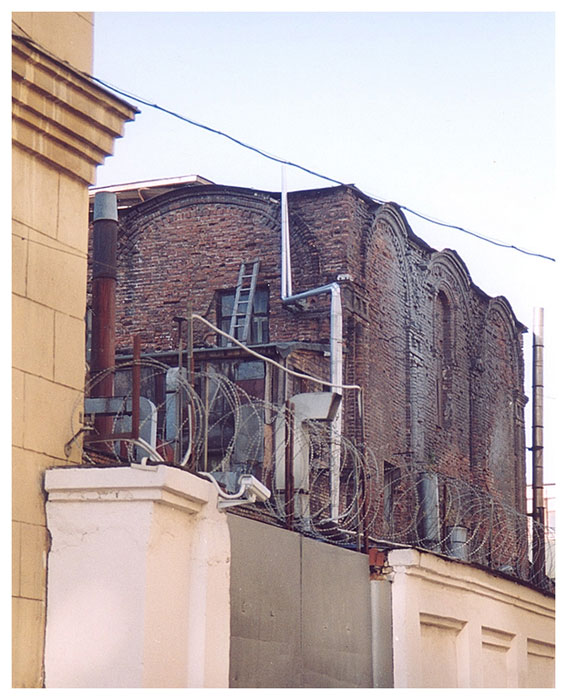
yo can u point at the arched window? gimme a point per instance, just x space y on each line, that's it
442 348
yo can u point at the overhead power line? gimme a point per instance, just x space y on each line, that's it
215 131
501 244
312 172
283 161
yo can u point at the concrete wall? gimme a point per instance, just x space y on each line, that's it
63 127
151 586
300 611
459 626
308 614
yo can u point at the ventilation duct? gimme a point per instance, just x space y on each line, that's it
428 528
458 543
320 406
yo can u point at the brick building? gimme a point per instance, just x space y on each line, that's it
439 361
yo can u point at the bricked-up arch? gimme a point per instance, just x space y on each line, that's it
448 272
389 218
170 205
184 244
498 402
387 281
444 352
451 304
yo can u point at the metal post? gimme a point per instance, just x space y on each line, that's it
206 419
538 506
366 494
178 403
190 357
289 480
136 383
190 378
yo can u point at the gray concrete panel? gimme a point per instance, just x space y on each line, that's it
336 624
300 611
265 649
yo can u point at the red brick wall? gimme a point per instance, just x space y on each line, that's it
187 244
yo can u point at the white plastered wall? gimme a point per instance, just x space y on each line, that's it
458 626
138 580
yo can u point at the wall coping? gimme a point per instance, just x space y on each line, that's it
162 484
460 575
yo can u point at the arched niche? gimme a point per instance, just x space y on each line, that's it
450 301
498 405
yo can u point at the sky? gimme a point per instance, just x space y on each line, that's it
450 114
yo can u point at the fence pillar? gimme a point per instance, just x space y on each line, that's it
138 580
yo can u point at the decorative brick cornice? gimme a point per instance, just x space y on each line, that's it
60 115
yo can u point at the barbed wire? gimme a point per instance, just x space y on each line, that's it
207 422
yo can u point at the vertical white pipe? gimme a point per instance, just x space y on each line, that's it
537 416
336 343
283 238
285 248
337 380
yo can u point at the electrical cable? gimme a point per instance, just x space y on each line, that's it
282 161
501 244
319 175
300 375
265 154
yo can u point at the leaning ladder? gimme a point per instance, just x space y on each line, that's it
244 301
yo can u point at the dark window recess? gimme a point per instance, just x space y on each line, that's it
391 485
442 348
258 322
227 449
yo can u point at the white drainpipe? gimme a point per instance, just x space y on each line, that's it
285 256
336 342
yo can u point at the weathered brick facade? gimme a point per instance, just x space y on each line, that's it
440 362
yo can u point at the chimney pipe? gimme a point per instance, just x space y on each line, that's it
105 229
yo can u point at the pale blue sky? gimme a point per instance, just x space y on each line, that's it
450 114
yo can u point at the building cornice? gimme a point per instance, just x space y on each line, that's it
60 115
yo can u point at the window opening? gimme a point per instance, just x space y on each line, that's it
258 323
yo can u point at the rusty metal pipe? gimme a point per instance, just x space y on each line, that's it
105 229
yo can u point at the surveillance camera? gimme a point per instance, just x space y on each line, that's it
250 487
254 489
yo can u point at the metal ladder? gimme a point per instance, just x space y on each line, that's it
244 301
